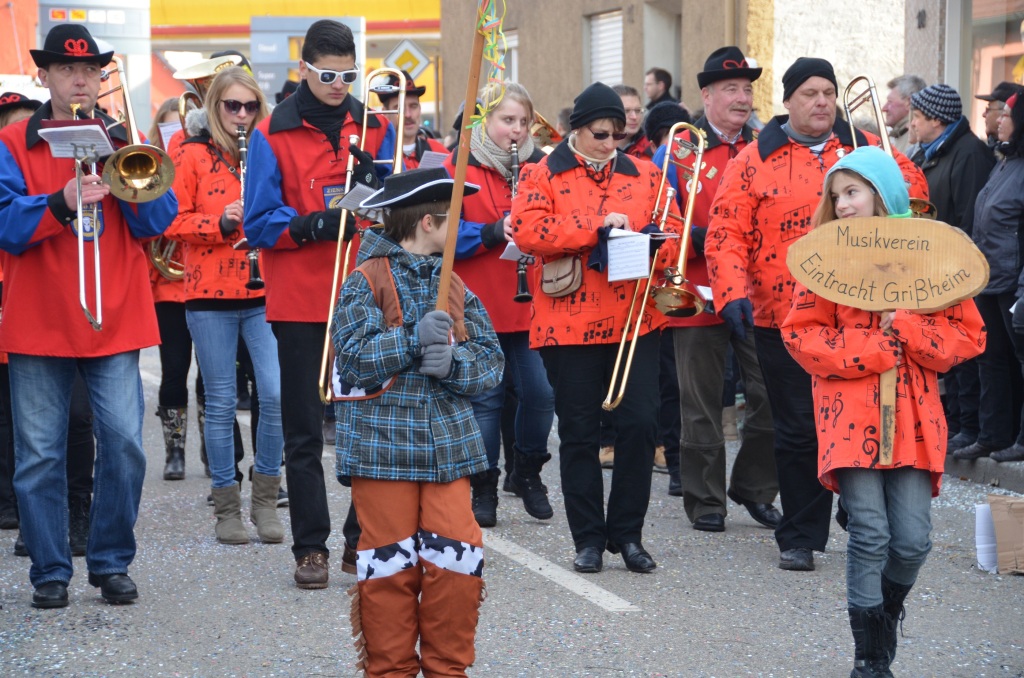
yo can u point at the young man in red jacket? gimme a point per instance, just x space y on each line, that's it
294 181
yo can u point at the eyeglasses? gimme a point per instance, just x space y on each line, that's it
994 109
328 76
233 107
443 217
601 136
636 111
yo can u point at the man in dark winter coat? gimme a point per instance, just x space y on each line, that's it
956 164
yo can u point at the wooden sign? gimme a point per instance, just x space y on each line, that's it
883 264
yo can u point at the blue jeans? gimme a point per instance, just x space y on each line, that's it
40 399
215 335
890 527
536 410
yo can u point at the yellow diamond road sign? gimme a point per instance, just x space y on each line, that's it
407 56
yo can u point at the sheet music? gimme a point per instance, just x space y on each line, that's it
513 253
432 159
629 255
88 141
356 194
168 130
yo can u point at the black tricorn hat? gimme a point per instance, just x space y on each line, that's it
415 187
11 100
69 43
726 63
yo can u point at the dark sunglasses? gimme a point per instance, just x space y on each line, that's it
601 136
233 107
327 77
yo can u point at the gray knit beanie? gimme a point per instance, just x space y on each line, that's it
940 102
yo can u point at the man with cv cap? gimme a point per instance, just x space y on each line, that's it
764 204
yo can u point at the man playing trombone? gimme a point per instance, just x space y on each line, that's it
295 178
48 338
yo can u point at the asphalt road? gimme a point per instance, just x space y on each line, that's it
716 606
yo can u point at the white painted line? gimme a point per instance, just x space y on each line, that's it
573 582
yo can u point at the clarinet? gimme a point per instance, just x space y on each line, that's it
523 295
252 255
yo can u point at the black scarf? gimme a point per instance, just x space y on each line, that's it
327 119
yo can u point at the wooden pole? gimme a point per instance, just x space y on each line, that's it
462 159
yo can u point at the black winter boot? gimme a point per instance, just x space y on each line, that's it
174 421
893 595
201 416
79 506
525 477
675 481
485 497
869 626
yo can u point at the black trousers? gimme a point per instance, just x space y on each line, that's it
81 455
299 349
580 376
175 353
806 504
999 373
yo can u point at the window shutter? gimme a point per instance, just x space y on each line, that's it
606 48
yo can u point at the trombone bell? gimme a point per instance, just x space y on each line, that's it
678 297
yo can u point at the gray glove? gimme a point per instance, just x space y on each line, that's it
437 361
434 328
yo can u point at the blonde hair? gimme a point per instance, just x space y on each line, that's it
154 137
826 211
495 91
225 138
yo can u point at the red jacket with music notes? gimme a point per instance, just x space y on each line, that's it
844 351
205 185
491 278
557 212
768 194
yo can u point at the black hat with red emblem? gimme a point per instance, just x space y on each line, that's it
69 43
726 63
12 100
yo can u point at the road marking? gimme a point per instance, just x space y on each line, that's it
545 568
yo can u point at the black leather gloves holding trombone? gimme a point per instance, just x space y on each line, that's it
433 333
320 227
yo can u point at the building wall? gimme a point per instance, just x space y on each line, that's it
925 39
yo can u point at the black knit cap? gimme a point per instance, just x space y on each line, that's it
726 63
69 43
939 102
661 117
803 69
597 102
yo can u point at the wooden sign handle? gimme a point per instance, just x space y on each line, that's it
887 401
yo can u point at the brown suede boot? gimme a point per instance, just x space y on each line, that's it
384 612
449 611
263 509
227 508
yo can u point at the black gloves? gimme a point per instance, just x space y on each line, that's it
652 229
316 227
493 234
698 234
227 226
737 313
364 171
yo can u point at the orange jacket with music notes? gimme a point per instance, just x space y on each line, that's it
557 212
765 202
844 351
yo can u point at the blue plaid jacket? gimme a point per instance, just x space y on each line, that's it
422 428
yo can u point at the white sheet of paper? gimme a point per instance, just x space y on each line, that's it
513 253
432 159
356 194
168 130
628 255
78 141
705 292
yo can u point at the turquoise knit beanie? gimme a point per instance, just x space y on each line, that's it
880 170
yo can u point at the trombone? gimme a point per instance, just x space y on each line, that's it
676 296
135 173
612 400
919 207
344 253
